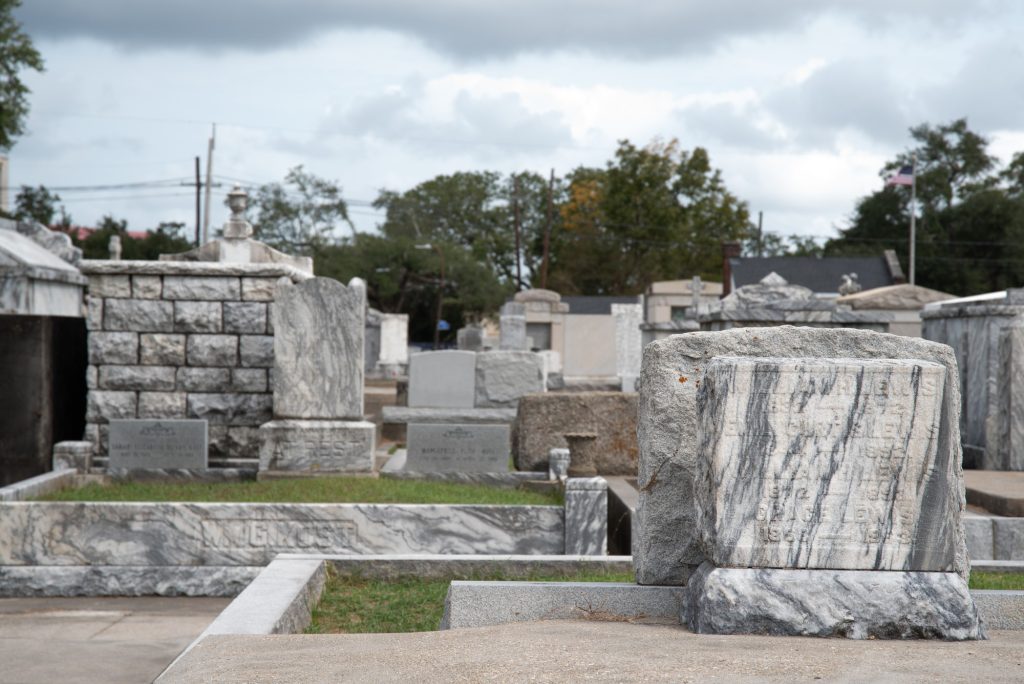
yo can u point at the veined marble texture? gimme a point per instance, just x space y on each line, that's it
823 463
586 516
831 603
162 534
121 580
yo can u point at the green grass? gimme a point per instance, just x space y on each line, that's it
997 580
308 490
409 604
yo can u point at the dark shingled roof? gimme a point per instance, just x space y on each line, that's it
819 274
597 305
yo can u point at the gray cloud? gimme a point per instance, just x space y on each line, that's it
989 89
470 29
727 123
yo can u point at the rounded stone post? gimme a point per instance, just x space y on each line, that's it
558 463
582 446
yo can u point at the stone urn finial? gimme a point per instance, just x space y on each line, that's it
114 247
582 456
237 227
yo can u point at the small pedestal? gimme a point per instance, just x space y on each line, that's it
582 457
339 446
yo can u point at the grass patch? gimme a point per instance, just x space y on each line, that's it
308 490
997 580
352 605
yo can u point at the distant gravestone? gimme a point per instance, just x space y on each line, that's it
448 448
442 379
156 444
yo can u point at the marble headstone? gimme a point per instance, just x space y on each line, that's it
512 322
447 448
442 379
158 444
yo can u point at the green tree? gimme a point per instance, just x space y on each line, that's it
301 215
168 238
16 54
38 204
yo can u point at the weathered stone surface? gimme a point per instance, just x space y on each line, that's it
245 317
72 454
146 287
256 350
503 377
197 317
138 315
248 380
457 448
212 350
110 286
161 349
317 445
205 269
103 406
1005 448
258 289
628 339
91 377
113 347
405 414
94 313
121 580
586 516
204 379
151 444
161 405
231 409
831 603
823 463
243 442
201 287
318 350
667 550
136 377
513 332
443 379
543 419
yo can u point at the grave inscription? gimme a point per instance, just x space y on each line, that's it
152 444
458 448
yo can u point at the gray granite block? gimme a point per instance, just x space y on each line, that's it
120 580
318 350
94 313
245 317
1000 609
1008 536
586 516
212 350
162 405
72 454
667 548
146 287
231 409
204 379
258 289
853 604
405 414
243 441
442 379
201 287
138 315
161 349
92 377
102 406
248 379
197 317
136 377
317 445
447 565
113 347
503 377
256 351
110 286
448 447
479 604
980 534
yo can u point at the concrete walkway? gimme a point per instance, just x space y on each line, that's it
111 640
562 650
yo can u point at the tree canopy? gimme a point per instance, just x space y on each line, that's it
16 54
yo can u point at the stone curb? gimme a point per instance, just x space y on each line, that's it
38 485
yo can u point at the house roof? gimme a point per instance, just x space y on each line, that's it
597 305
820 274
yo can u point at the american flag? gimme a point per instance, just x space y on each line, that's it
905 176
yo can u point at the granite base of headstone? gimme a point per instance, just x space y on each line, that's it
333 446
158 444
465 448
822 508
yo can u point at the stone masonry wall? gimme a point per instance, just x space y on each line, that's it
183 340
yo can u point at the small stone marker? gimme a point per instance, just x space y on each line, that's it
443 379
155 444
465 448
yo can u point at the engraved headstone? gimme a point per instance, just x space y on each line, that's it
442 379
156 444
467 448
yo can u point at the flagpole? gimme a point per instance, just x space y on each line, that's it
913 227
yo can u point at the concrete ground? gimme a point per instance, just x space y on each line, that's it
562 650
110 640
1000 492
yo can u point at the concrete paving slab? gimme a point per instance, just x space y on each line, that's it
564 650
115 640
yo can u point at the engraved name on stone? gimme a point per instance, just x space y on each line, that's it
147 444
457 448
820 463
241 533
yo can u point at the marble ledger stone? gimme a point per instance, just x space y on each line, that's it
586 516
823 463
318 350
447 448
442 379
317 445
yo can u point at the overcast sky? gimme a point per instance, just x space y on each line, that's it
799 102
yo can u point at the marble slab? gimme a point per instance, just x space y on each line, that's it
453 448
158 444
442 379
586 516
822 463
317 445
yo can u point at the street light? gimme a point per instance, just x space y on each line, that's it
440 293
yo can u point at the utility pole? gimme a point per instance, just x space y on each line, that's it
515 211
547 232
209 184
913 215
199 185
760 234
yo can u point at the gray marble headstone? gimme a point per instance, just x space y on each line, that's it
153 444
442 379
466 448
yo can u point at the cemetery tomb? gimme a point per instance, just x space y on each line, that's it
810 472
